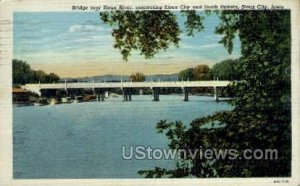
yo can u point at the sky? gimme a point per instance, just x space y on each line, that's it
79 44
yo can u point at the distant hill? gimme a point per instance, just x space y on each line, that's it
118 78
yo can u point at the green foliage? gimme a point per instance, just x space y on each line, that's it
149 32
229 26
39 75
261 118
227 70
200 72
22 74
193 22
146 31
186 74
137 77
52 77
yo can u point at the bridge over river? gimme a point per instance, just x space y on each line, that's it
127 87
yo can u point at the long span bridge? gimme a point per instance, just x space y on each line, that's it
126 87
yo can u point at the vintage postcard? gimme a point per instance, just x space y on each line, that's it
149 93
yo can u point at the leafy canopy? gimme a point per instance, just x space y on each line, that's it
227 70
22 74
149 32
137 77
200 72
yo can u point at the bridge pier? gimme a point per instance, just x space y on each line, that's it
100 94
107 94
185 93
38 92
216 94
127 94
155 93
100 97
141 92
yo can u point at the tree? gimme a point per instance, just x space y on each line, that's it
22 72
227 70
261 118
137 77
186 74
52 78
148 31
201 72
39 76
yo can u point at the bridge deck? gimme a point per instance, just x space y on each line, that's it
178 84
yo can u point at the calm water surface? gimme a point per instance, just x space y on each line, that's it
84 140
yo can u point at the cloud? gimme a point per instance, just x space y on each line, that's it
210 46
199 47
101 38
86 28
166 57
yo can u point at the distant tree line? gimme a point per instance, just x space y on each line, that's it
137 77
225 70
22 74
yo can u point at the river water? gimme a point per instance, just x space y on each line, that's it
84 140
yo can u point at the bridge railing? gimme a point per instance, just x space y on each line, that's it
147 84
